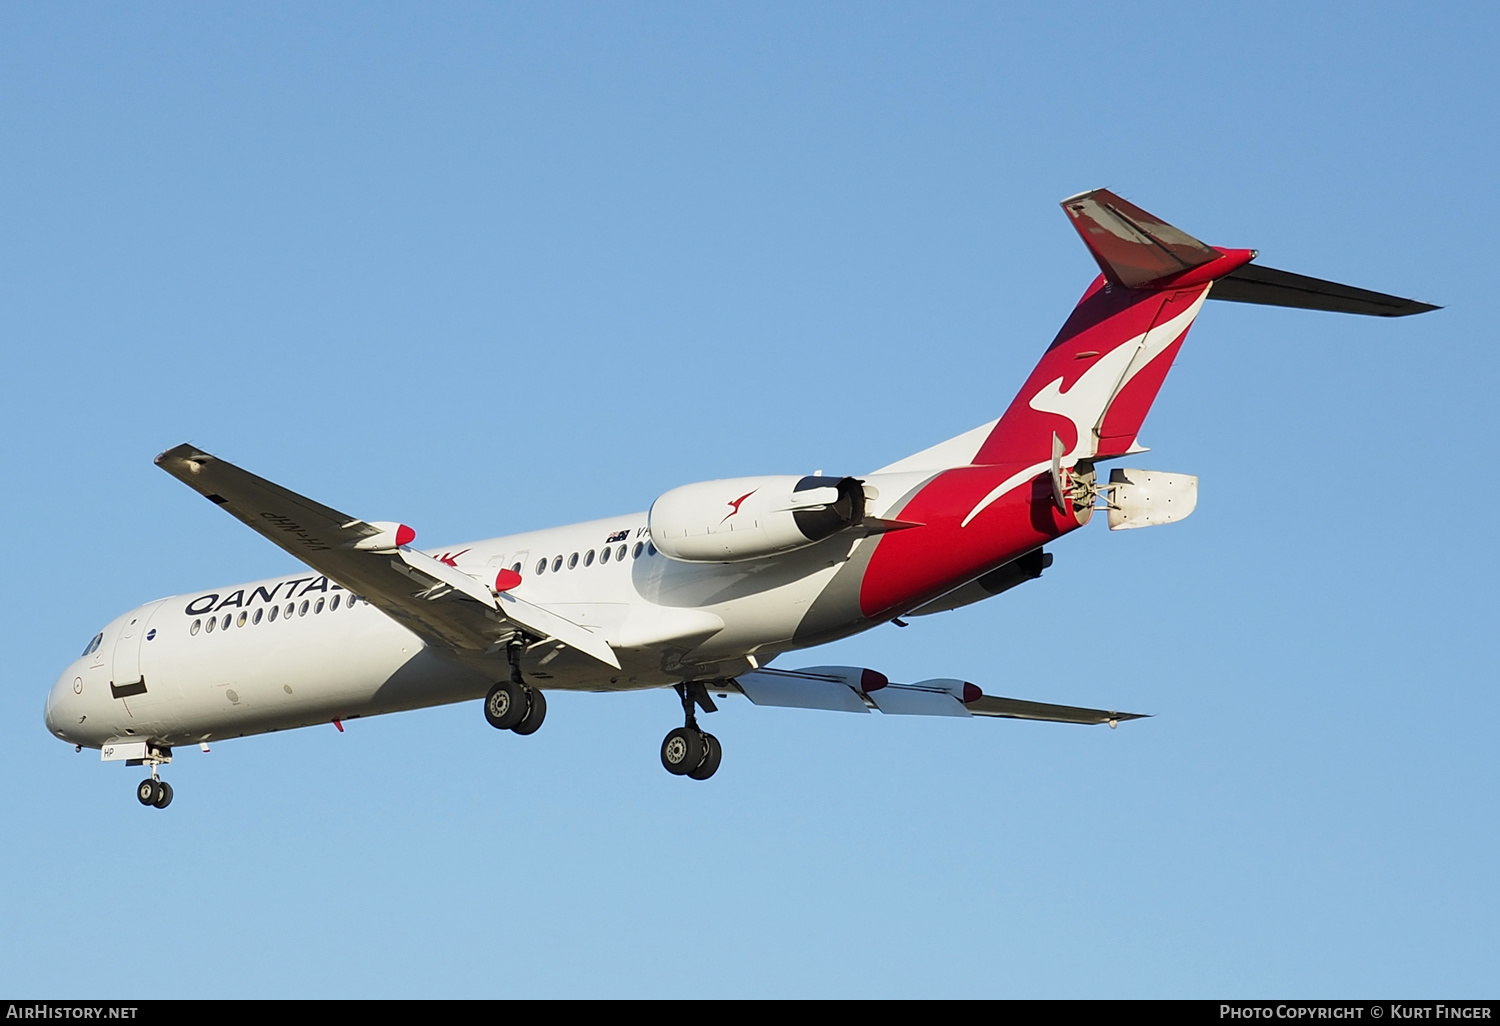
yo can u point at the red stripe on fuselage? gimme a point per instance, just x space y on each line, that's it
914 566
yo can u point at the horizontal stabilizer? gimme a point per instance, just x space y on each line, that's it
1270 287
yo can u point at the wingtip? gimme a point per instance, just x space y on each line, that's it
1419 307
183 460
185 451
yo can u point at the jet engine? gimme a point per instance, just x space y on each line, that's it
753 517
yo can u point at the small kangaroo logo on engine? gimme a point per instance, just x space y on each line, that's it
736 503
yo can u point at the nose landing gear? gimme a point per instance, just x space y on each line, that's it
513 704
154 791
687 751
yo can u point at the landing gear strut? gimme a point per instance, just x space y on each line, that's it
154 790
513 704
687 751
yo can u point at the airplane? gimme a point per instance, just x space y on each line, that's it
705 589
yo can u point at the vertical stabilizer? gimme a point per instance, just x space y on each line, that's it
1095 384
1131 246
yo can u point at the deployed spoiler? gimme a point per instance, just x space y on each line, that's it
1138 250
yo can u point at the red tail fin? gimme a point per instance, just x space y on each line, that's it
1099 377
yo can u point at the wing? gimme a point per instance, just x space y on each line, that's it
856 689
438 602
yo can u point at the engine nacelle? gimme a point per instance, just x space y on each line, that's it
752 517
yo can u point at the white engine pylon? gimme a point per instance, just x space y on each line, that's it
1146 498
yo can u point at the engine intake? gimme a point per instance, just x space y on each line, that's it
753 517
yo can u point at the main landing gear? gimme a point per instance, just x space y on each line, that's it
154 790
687 751
513 704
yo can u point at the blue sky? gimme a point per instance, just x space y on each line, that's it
486 268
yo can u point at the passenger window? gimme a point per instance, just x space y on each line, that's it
588 558
334 604
274 611
225 624
620 553
257 616
572 561
303 610
239 621
604 555
557 564
319 607
516 568
290 608
650 549
541 566
197 625
636 552
210 625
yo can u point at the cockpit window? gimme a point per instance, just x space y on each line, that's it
93 645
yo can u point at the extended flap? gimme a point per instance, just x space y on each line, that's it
796 690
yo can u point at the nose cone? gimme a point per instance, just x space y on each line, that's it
60 701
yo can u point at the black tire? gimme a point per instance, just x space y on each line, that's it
146 792
536 712
713 753
164 794
505 705
682 751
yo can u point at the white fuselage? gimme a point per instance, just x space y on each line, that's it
328 655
